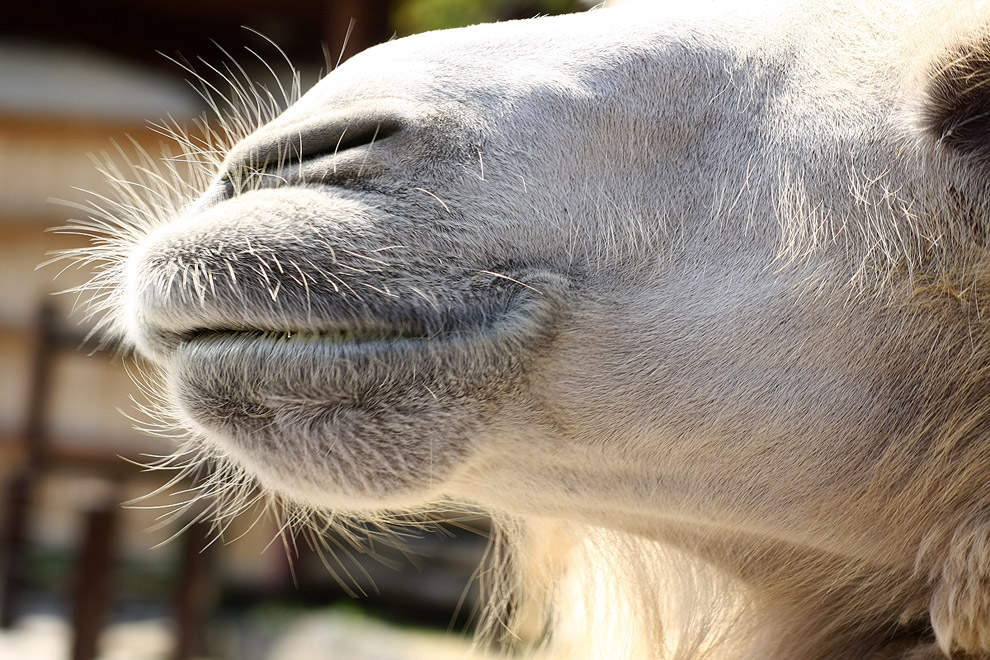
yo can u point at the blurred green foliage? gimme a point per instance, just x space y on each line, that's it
410 16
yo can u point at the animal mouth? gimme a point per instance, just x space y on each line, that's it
304 334
351 341
476 315
225 373
365 337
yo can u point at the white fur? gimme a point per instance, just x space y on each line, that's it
703 286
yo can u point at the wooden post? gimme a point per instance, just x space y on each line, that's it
17 503
196 596
91 599
20 489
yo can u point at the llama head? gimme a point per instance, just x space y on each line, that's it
711 277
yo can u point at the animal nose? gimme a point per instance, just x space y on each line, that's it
327 148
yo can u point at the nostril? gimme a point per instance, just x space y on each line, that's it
269 157
356 136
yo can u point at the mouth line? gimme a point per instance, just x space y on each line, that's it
455 323
328 336
372 332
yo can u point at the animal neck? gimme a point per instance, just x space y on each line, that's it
719 596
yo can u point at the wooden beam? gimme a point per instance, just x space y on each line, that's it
94 571
196 595
20 489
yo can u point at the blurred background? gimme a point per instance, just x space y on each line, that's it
82 577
